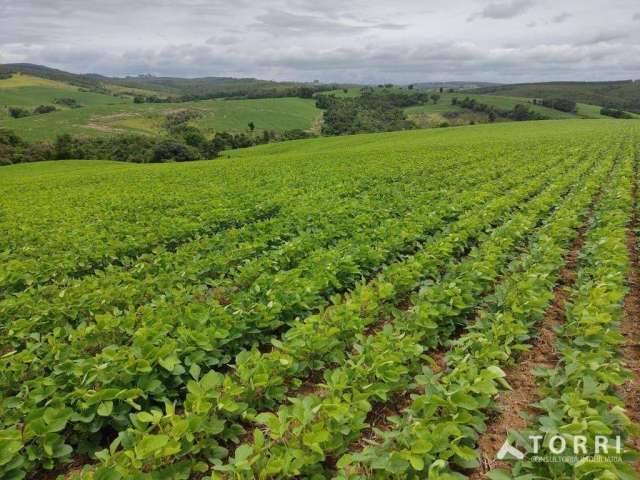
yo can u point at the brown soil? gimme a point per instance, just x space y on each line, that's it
512 404
630 329
378 419
67 471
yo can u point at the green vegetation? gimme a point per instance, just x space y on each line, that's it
94 106
369 112
276 114
262 315
590 370
624 95
506 103
612 112
163 87
562 104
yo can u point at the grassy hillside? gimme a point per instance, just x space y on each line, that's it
624 95
29 91
108 108
506 103
107 105
41 71
319 308
104 114
218 86
444 112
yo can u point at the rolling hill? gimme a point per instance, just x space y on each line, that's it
104 112
624 95
162 86
96 106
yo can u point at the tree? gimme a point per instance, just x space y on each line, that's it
252 126
194 137
562 104
521 112
441 89
173 151
410 87
305 92
492 116
435 98
64 147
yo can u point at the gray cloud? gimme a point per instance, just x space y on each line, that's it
223 40
561 17
602 37
503 10
362 40
278 22
636 17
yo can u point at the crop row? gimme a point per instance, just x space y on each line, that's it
112 370
119 226
580 397
236 256
90 336
436 435
83 228
382 365
295 358
37 262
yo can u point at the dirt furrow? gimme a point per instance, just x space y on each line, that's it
630 327
515 404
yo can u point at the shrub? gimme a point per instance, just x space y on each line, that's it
9 138
44 109
67 102
295 134
615 113
36 152
180 117
17 112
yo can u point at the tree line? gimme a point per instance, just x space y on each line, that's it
370 112
519 112
242 94
181 143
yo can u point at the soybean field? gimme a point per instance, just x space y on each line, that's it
374 306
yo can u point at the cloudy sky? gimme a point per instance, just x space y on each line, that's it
330 40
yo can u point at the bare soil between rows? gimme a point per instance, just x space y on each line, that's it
630 328
512 404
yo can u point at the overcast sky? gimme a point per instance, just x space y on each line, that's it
329 40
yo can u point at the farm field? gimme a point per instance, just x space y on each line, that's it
345 307
217 115
30 91
104 115
623 94
506 103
